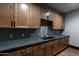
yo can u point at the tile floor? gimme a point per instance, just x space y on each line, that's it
69 52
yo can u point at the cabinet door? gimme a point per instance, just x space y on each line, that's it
26 51
21 15
61 21
60 44
65 42
34 16
6 15
48 51
58 21
44 11
15 53
49 48
55 47
38 50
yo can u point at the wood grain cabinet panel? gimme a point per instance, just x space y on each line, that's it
21 52
60 44
27 15
65 42
61 18
6 15
38 50
44 10
48 51
55 47
58 21
57 18
26 51
15 53
34 16
21 15
49 48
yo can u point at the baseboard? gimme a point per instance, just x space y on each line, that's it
74 47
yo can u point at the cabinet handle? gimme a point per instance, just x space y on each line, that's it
11 23
14 23
61 27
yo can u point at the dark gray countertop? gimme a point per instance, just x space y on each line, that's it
22 42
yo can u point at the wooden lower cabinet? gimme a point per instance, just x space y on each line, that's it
14 53
48 51
65 42
43 49
21 52
49 48
26 51
60 44
55 47
38 50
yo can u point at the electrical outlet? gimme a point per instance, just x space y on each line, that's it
23 34
11 35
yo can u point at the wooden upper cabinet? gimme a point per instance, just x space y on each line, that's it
34 16
21 15
62 21
57 18
6 15
44 11
58 21
24 15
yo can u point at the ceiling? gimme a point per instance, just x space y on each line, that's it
65 7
